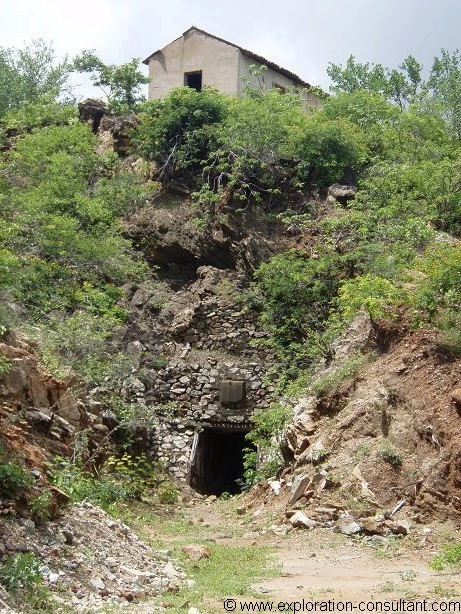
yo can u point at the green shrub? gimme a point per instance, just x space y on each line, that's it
389 454
441 288
326 149
81 485
119 479
175 131
168 493
14 477
40 113
450 557
449 325
263 459
20 575
41 505
136 472
373 294
298 294
5 364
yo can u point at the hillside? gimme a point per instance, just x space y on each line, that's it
205 296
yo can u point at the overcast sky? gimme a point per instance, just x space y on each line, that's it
301 35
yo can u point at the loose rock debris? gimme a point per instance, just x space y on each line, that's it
90 560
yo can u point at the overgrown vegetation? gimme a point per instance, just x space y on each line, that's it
20 575
120 478
393 250
449 557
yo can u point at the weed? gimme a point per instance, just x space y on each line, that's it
159 361
442 591
20 575
449 557
41 505
330 381
388 587
13 478
389 454
408 575
362 451
168 493
5 364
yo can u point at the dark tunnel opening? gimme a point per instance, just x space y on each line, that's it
217 461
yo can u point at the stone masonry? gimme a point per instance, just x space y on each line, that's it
204 343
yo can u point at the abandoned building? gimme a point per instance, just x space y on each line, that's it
197 59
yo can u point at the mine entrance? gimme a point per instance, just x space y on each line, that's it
217 460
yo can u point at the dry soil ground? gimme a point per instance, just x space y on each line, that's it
320 565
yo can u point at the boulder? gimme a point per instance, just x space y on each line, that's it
300 485
371 526
196 552
342 193
347 525
92 111
299 520
398 528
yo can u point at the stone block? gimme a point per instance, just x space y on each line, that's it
232 391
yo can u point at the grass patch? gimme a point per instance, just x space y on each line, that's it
349 369
230 570
389 454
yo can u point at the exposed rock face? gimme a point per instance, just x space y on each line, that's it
171 237
342 193
195 339
26 385
39 413
92 111
387 436
115 132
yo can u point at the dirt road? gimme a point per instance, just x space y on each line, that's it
322 565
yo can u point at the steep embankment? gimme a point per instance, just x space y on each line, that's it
380 442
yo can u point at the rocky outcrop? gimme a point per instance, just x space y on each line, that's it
39 414
91 111
380 439
25 385
341 193
115 133
172 237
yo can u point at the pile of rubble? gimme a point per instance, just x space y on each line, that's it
90 560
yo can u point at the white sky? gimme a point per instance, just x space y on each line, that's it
301 35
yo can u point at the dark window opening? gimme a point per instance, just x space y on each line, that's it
217 461
193 80
280 89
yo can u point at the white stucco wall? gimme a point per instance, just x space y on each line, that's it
222 66
270 78
217 61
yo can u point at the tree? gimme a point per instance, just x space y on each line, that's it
30 73
397 85
121 84
445 85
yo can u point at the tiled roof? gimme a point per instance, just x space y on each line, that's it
254 56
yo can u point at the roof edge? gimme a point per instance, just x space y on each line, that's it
259 58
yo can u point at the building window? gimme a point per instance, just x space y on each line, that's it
193 80
280 89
